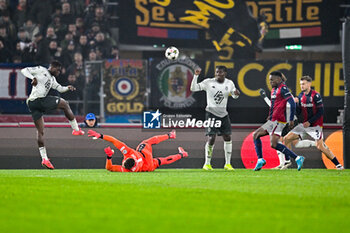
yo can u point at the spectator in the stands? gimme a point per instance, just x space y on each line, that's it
3 6
103 44
21 13
100 18
91 33
31 28
77 68
99 53
66 15
73 95
24 46
60 29
6 40
72 28
55 51
41 12
79 23
114 54
5 53
90 121
10 27
68 54
83 46
42 55
92 55
67 39
50 33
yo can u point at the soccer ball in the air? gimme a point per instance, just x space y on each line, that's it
172 53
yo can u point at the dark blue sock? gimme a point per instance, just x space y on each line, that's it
286 157
258 147
335 161
285 150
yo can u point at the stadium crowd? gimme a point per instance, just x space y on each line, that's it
70 31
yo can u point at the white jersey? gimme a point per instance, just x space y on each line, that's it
217 94
45 82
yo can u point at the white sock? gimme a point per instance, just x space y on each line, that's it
281 157
305 144
228 151
208 153
74 124
42 151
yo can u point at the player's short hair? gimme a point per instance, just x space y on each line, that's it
222 68
279 74
307 78
129 163
56 64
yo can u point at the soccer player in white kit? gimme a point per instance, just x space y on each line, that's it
39 102
218 89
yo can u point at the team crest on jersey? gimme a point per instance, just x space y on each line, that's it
174 82
218 97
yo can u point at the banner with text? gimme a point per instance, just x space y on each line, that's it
125 86
198 23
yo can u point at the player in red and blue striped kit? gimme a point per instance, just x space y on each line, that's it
277 120
309 103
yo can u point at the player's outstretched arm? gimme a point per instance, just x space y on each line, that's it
120 145
194 85
263 95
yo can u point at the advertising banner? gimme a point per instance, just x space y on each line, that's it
171 81
125 86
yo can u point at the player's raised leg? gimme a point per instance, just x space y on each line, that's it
172 158
45 162
159 138
63 105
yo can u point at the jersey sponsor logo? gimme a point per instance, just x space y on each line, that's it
218 97
174 82
309 105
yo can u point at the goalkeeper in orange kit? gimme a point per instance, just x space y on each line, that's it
141 159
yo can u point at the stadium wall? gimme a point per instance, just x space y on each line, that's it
18 147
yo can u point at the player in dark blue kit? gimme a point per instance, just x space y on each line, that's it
309 103
277 120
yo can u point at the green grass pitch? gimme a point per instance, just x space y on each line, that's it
174 200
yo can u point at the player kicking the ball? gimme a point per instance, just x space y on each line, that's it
280 95
309 103
141 159
218 90
38 102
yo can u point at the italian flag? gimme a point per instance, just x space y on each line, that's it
285 33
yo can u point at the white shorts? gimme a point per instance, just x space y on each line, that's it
274 127
314 132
